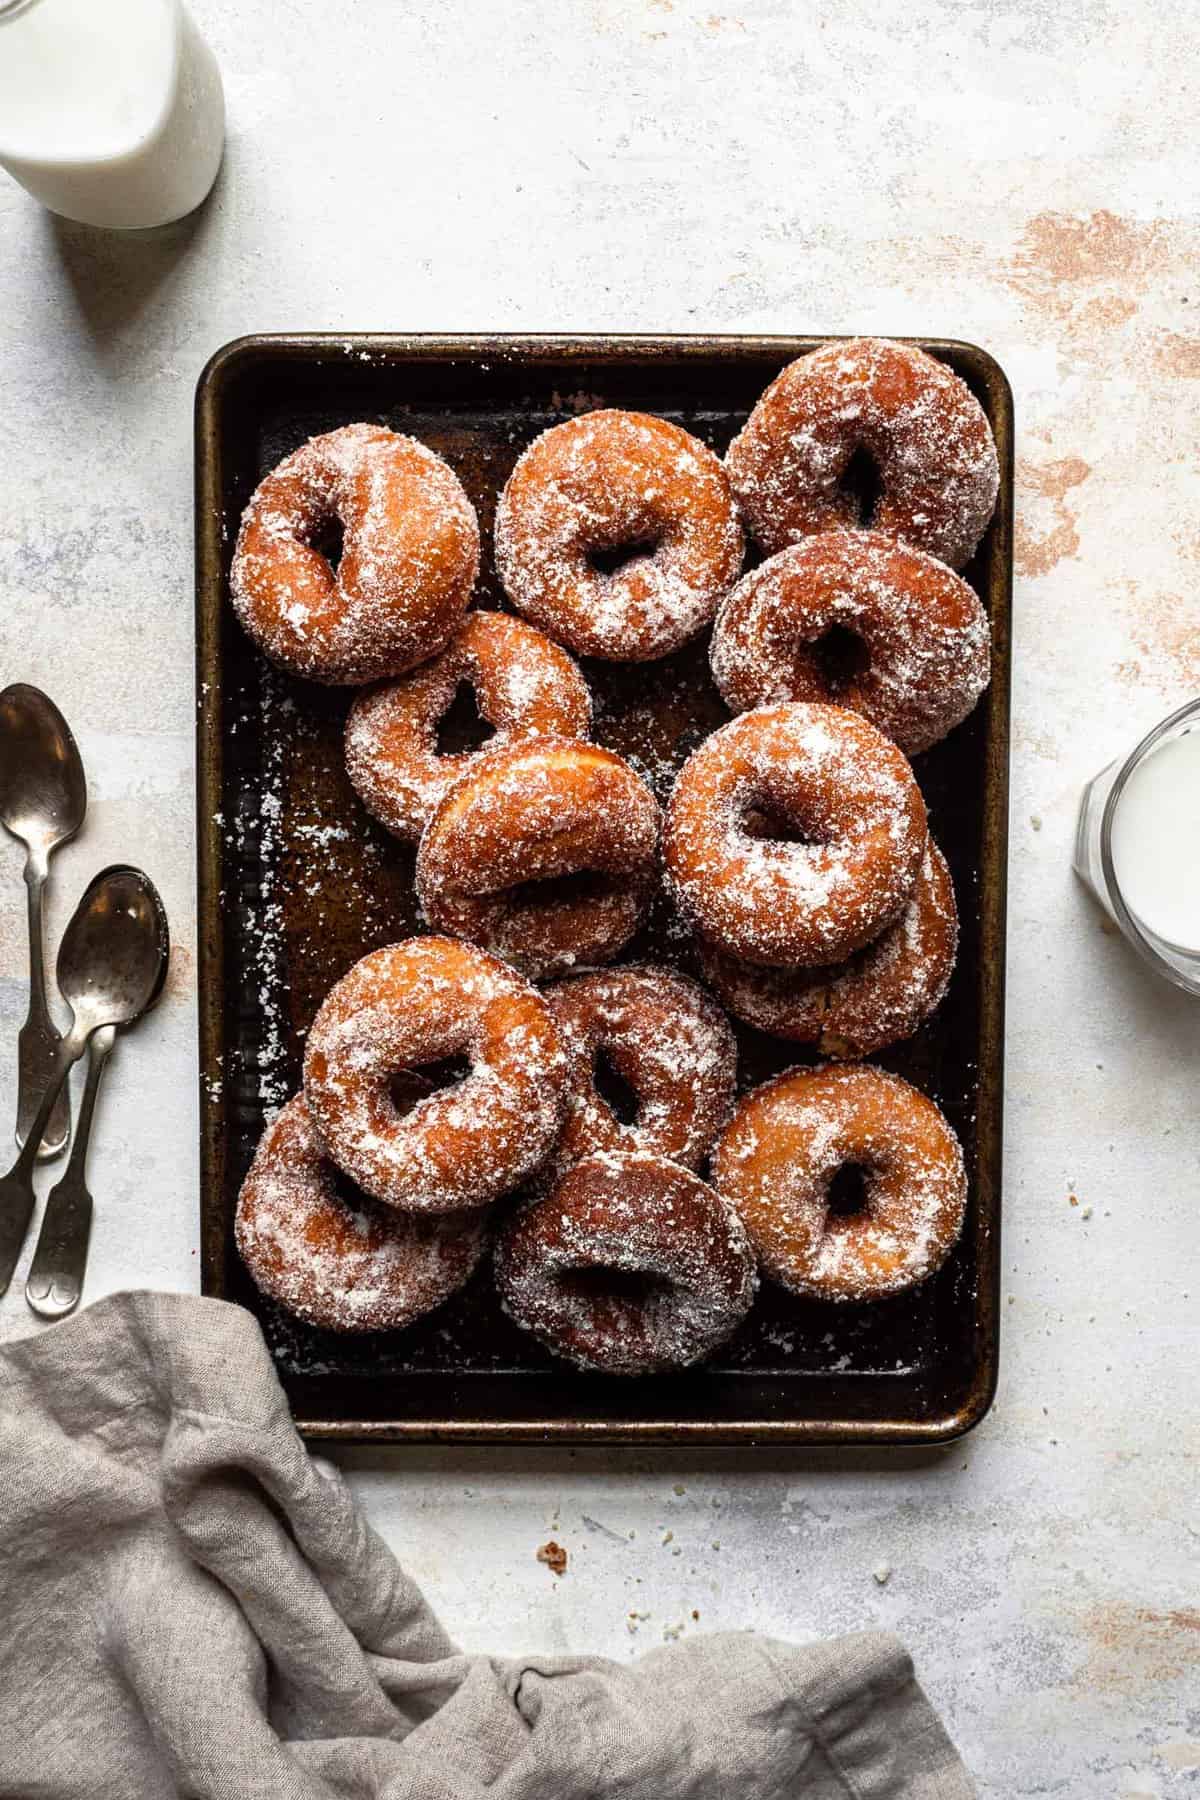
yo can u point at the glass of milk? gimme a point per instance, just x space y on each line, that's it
1137 846
111 111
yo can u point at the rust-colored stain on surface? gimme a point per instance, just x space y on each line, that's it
1045 530
554 1557
1178 356
1138 1646
1165 629
1105 312
1061 255
1085 277
181 971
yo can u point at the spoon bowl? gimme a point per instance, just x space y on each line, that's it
113 958
43 790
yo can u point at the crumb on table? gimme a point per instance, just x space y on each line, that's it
554 1556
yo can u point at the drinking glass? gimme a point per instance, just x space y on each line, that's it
1094 862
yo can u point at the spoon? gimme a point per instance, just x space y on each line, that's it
55 1279
111 966
43 797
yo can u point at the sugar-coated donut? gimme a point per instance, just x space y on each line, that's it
915 651
668 1041
922 427
333 1257
524 685
415 1003
607 482
817 771
545 853
410 554
787 1141
859 1007
630 1265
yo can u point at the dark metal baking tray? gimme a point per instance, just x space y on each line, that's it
296 882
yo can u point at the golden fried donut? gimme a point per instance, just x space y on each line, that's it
524 686
791 1137
671 1045
415 1003
607 482
855 619
410 554
333 1257
545 853
858 1007
835 782
922 427
631 1265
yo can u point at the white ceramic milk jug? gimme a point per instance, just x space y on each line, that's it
111 111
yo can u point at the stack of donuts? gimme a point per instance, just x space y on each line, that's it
591 1131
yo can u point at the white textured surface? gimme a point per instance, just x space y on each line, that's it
1024 175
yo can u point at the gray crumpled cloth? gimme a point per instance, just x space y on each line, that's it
189 1605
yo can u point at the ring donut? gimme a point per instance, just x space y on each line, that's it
818 771
415 1003
671 1045
631 1265
915 645
922 427
333 1257
608 482
524 686
788 1140
545 853
410 554
860 1007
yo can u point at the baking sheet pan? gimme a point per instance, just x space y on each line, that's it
296 882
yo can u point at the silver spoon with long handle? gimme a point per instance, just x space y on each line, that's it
112 963
43 799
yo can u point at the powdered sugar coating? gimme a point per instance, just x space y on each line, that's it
672 1045
524 685
410 555
631 1265
925 637
856 1008
547 812
336 1259
788 1140
926 433
838 781
415 1003
608 481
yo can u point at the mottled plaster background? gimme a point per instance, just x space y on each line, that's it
1025 175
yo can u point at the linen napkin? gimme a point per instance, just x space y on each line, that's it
189 1605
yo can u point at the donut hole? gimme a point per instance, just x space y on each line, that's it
768 824
462 728
771 810
841 657
606 1284
329 540
848 1193
408 1087
582 887
610 559
612 1087
862 484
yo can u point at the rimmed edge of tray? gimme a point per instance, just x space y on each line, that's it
992 898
